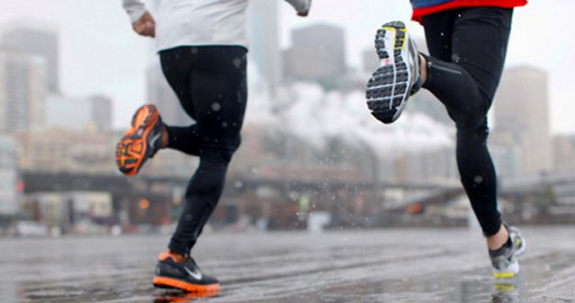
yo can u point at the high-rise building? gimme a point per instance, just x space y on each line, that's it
9 189
52 150
102 112
521 111
78 113
317 54
40 42
22 91
72 113
564 152
263 25
161 94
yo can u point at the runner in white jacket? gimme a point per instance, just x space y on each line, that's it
202 46
197 22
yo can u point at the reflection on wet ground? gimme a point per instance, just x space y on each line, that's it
408 265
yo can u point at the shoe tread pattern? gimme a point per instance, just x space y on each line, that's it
386 89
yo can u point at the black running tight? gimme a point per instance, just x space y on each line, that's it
211 84
468 48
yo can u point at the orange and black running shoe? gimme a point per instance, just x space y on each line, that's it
141 141
185 276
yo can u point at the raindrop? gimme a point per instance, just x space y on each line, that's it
216 106
442 34
455 58
478 179
238 184
237 62
224 124
293 195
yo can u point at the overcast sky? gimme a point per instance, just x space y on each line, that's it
100 54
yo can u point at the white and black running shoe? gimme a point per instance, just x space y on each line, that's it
504 260
398 75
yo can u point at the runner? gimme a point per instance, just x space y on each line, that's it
202 47
467 41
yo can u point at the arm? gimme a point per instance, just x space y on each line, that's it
142 21
135 9
301 6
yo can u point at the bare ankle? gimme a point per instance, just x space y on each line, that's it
423 68
165 137
499 239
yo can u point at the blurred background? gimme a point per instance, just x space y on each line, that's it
72 73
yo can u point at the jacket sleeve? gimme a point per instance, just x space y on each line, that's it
135 9
301 6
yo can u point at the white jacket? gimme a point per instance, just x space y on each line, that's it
200 22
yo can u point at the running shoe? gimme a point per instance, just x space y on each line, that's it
398 76
504 260
141 141
185 276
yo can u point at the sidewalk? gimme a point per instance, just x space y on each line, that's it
399 265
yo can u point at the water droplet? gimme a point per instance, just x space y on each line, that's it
478 179
237 62
216 106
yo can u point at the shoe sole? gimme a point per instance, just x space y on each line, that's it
165 282
388 88
509 273
132 150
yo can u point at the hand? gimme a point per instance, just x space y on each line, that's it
304 14
145 26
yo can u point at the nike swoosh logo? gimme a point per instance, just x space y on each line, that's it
154 139
195 274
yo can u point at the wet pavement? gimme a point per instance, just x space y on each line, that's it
393 265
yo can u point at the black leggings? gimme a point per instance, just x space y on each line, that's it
211 84
468 48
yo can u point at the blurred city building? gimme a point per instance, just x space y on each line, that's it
317 54
10 183
58 149
564 152
506 154
77 113
36 40
521 110
22 91
67 210
102 112
264 34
